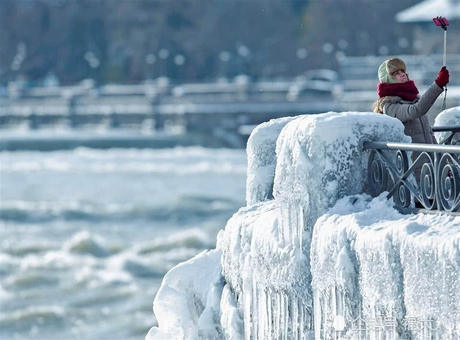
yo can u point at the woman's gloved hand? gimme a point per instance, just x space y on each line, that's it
443 77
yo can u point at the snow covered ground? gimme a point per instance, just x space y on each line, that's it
313 257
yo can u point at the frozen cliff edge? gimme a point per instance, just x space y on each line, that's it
299 261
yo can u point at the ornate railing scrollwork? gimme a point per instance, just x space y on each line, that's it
415 175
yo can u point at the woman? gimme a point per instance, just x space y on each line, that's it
398 97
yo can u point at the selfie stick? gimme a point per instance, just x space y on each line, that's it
443 23
444 57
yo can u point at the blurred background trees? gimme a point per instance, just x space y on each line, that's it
130 41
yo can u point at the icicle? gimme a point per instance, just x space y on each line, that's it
324 313
295 318
269 315
294 225
317 314
303 320
287 226
291 226
254 316
285 315
277 313
288 317
301 323
263 323
282 315
282 232
333 301
300 227
247 298
258 320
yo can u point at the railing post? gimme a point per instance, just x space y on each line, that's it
436 181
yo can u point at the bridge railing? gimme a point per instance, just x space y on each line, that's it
426 176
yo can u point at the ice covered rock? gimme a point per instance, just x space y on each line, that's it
449 117
187 305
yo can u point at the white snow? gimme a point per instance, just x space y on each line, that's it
314 257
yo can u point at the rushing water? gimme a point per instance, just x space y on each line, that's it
86 235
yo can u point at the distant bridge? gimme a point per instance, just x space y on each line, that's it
187 107
231 106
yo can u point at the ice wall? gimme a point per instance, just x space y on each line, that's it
292 267
266 246
378 274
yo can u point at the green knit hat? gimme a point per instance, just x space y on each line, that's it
388 67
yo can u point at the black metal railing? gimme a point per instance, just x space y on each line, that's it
425 176
449 138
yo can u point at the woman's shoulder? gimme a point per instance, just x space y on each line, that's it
392 99
391 105
379 105
399 100
402 101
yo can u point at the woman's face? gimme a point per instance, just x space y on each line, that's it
400 76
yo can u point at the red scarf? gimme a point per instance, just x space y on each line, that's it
406 91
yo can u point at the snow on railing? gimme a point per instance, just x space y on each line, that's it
426 174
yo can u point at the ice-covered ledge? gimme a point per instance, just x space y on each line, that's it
394 276
266 248
269 284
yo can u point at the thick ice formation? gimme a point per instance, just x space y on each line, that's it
187 303
320 157
392 275
265 247
362 252
449 117
262 160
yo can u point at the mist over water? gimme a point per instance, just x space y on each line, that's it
86 235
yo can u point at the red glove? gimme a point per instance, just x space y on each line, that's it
443 77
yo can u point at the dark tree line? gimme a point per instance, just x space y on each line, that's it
135 40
